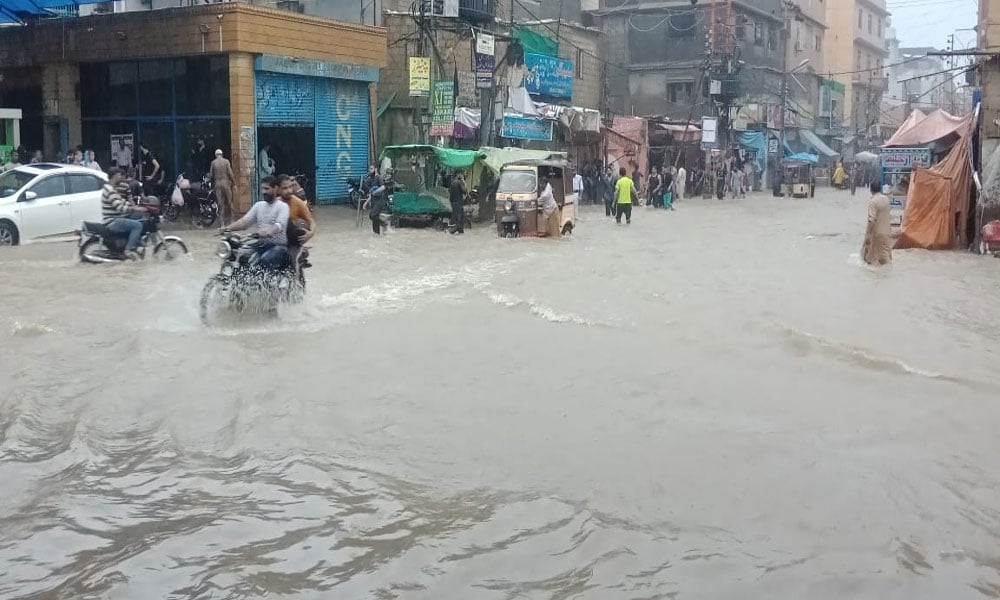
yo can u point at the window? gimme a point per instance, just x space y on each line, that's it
155 87
741 27
870 29
857 65
772 39
579 63
861 18
818 42
13 180
683 25
194 95
54 185
81 184
758 34
680 92
880 30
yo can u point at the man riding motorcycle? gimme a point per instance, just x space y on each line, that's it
119 213
270 216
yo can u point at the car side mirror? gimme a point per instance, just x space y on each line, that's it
28 196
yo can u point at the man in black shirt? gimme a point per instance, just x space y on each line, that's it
456 194
150 167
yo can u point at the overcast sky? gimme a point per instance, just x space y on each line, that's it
930 22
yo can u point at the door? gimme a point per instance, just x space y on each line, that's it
84 195
342 136
49 213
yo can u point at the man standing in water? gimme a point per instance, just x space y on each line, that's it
877 248
624 194
456 195
680 183
549 208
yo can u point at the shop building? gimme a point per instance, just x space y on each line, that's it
242 78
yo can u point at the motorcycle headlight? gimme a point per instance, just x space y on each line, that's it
223 250
508 205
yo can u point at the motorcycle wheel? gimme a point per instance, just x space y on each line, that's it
94 252
355 199
207 213
213 300
171 212
170 250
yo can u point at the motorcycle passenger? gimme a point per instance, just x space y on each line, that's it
301 225
117 213
270 217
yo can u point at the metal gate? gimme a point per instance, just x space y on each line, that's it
285 100
342 135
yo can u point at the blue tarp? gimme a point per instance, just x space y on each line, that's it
13 11
755 140
803 156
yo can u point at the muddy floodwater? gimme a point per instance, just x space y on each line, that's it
718 402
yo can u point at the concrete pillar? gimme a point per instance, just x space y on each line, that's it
61 108
243 128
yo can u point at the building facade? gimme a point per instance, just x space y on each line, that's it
659 52
855 54
450 43
240 77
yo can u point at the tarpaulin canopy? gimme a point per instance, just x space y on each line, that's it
14 11
920 130
817 144
534 43
447 157
938 198
754 140
803 157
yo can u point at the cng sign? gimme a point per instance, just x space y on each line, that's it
344 137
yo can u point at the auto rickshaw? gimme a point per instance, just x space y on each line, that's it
798 177
517 209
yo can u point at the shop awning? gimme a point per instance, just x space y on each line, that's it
813 140
14 11
681 132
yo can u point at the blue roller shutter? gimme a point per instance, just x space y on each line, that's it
285 100
342 140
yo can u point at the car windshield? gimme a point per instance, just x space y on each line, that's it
11 181
517 182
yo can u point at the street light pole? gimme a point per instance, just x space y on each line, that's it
779 174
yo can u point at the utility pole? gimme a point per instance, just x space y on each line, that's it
779 171
418 112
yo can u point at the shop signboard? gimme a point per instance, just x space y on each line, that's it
420 76
526 128
904 159
897 163
443 117
709 133
549 76
485 65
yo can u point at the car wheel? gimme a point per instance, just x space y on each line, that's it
8 234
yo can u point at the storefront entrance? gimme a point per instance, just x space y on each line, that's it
314 118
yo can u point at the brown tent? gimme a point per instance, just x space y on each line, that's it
937 204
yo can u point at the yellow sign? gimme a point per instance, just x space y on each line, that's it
420 76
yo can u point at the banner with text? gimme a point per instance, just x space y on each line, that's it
549 76
526 128
443 118
420 76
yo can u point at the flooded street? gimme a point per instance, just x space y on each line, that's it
718 402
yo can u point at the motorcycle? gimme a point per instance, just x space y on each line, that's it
99 245
354 192
244 285
200 199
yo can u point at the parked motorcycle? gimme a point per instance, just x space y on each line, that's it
301 189
98 245
243 285
200 199
354 191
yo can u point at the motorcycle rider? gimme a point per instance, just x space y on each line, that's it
117 211
270 217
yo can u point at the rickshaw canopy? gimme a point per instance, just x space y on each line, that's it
447 157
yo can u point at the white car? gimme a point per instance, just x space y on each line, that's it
47 200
